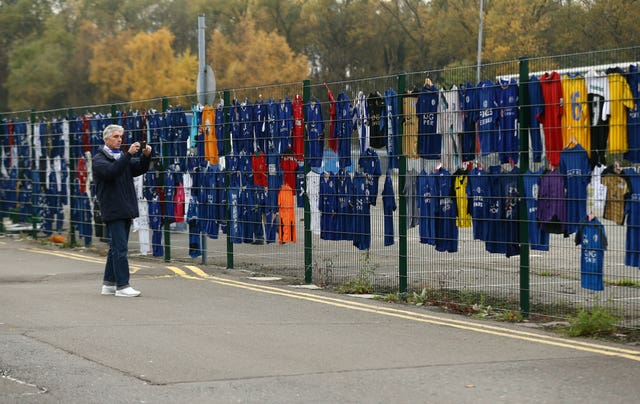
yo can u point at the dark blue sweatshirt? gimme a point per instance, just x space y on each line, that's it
114 183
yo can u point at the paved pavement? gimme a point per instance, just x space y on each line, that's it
201 334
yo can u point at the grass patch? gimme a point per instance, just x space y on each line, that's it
598 321
624 282
357 286
362 284
389 297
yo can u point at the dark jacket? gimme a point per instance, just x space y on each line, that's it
114 184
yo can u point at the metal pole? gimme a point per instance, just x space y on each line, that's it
161 177
479 42
402 201
35 186
524 118
202 66
73 166
308 252
227 146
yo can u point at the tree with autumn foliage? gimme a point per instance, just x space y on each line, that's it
59 54
141 66
250 57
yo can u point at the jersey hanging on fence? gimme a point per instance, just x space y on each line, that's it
193 220
328 207
446 212
537 108
272 217
361 121
616 189
467 93
593 240
343 130
552 116
552 202
247 217
486 103
389 206
234 225
289 166
574 164
286 204
375 106
260 129
429 140
426 201
179 202
300 186
632 243
598 99
389 126
478 191
412 195
621 100
361 212
460 180
333 142
344 193
369 162
155 223
496 227
315 137
169 193
259 169
247 127
156 127
510 207
282 139
538 238
297 141
508 139
576 125
221 128
313 193
410 122
633 116
450 126
208 129
272 127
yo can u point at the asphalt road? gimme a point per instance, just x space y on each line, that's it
201 334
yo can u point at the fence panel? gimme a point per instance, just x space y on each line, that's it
424 182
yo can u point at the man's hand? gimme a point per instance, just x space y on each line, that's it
134 148
147 150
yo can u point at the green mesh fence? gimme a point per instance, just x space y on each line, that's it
426 182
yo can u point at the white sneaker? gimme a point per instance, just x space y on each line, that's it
127 292
108 290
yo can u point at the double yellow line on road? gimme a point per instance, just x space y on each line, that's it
195 273
80 257
199 274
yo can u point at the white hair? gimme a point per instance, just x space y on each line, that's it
108 131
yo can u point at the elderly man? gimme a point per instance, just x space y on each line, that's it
113 172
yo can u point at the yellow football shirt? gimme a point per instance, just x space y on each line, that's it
575 116
620 97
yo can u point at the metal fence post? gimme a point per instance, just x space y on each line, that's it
308 253
227 180
34 195
525 122
402 200
161 177
72 174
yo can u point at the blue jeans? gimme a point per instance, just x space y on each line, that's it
116 271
